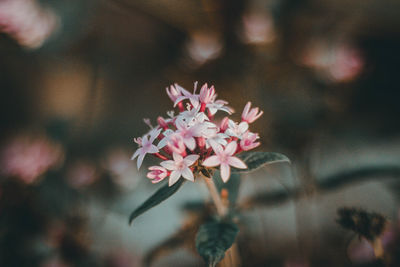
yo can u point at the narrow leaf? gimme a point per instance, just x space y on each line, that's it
214 238
162 194
256 160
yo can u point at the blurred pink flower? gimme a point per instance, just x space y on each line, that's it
28 157
27 22
337 62
258 28
82 174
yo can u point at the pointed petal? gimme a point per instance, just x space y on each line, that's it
177 157
153 149
190 143
216 147
189 160
188 174
154 135
179 99
237 163
174 177
137 152
231 148
243 126
225 172
140 160
168 164
211 161
246 109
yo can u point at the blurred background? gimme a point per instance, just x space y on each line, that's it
77 78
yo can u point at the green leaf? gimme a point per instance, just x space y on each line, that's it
162 194
214 238
256 160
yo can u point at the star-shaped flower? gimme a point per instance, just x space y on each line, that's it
224 158
180 167
146 146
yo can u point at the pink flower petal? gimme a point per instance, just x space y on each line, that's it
225 172
237 163
188 174
189 160
168 164
231 148
211 161
174 177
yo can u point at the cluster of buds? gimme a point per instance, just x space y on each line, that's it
193 141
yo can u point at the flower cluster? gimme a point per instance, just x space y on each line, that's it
193 140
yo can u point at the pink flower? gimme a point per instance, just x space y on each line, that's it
250 115
176 144
147 146
207 95
193 98
225 159
248 141
174 91
180 167
236 130
157 174
224 124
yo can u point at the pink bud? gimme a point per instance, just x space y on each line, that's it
248 141
173 92
250 115
207 94
224 124
157 174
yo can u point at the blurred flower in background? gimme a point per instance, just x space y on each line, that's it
82 173
203 47
258 28
27 157
27 22
334 62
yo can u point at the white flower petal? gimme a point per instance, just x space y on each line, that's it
243 126
174 177
140 160
177 157
237 163
153 149
231 148
216 147
190 143
188 174
189 160
211 161
225 172
137 152
168 164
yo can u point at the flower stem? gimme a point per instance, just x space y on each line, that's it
221 209
231 258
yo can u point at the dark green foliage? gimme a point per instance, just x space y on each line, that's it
367 224
256 160
162 194
214 238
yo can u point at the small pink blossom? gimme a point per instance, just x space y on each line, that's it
207 95
180 167
147 146
224 158
236 130
157 174
248 141
250 115
176 143
193 98
219 105
224 124
174 91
